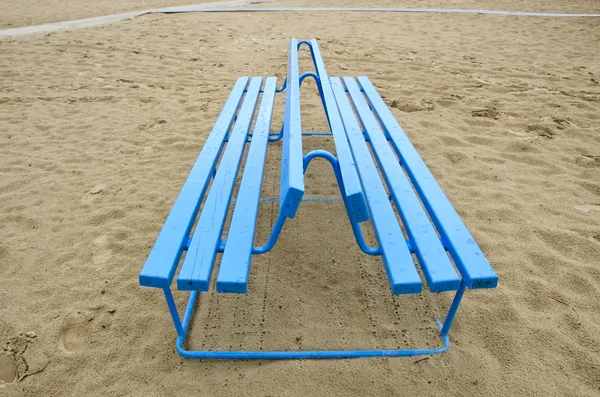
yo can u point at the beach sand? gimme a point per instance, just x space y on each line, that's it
100 126
33 12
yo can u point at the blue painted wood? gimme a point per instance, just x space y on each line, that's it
402 274
355 199
292 173
162 262
235 264
434 261
468 257
197 266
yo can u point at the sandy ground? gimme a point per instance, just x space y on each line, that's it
99 128
34 12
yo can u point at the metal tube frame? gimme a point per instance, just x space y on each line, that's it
182 324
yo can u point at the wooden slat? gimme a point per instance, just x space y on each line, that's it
292 173
402 274
235 265
468 257
434 261
355 199
162 262
197 266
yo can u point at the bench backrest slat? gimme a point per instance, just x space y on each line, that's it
198 264
398 261
160 267
292 173
468 257
235 264
434 261
355 199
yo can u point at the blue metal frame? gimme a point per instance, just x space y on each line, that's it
182 324
182 327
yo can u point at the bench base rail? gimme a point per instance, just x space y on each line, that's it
182 327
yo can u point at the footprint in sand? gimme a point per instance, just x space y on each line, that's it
101 252
74 334
19 359
73 339
89 197
489 112
410 107
8 369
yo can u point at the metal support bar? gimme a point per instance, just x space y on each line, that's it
301 78
289 355
270 243
317 80
338 176
283 87
278 136
275 136
317 133
308 44
173 311
453 308
183 327
273 237
360 240
310 74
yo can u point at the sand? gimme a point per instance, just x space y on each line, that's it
101 125
577 6
34 12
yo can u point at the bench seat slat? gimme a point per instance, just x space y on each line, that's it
355 199
160 267
402 274
235 265
197 266
468 257
292 173
434 261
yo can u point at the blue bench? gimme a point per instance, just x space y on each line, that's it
368 141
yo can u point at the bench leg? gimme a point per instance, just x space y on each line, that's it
173 311
453 308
